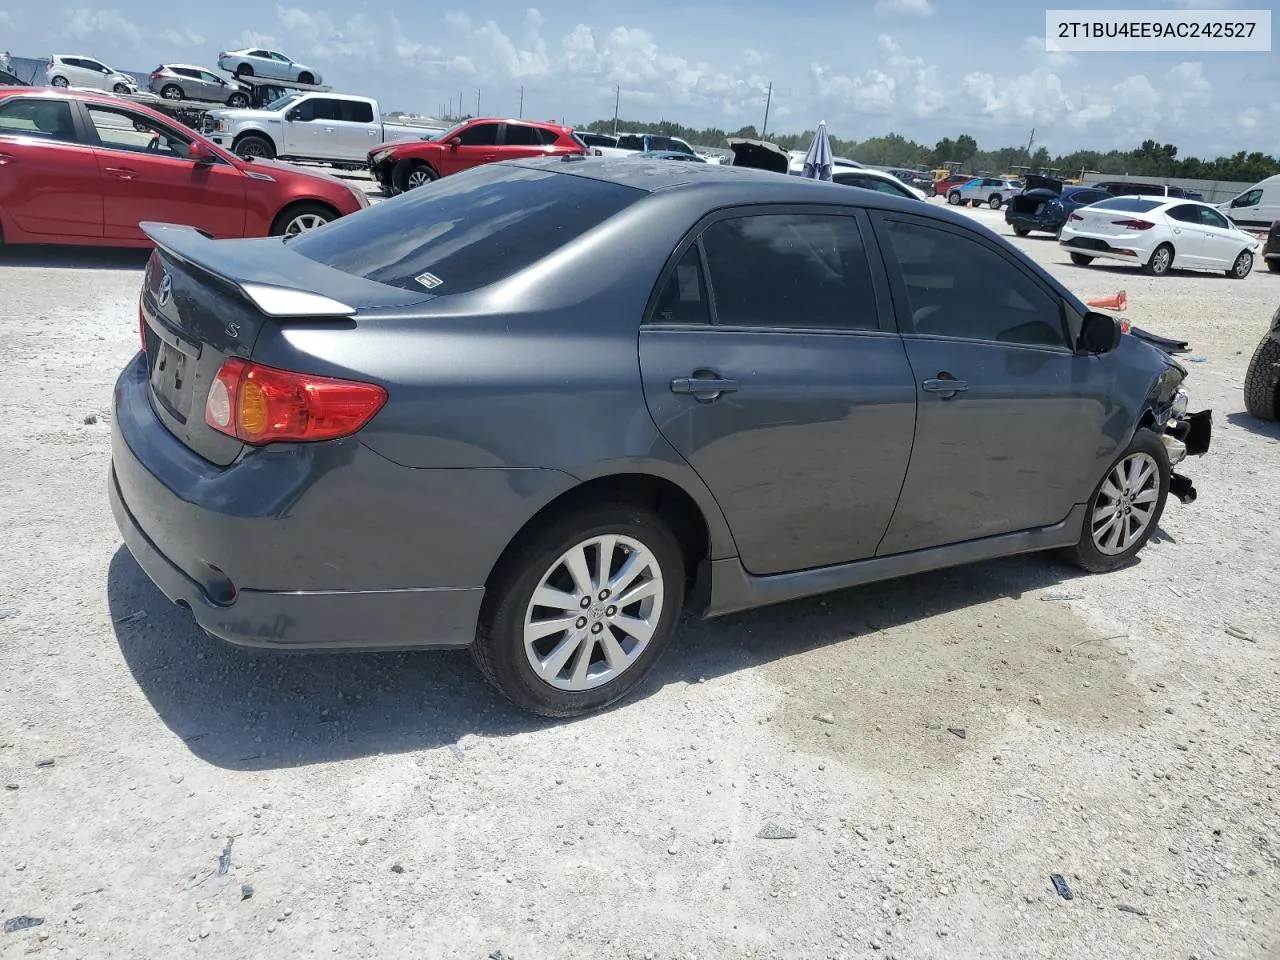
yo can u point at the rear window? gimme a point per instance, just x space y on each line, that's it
1129 204
466 231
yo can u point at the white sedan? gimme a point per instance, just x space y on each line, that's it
267 64
1159 233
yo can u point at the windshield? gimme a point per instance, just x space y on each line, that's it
668 144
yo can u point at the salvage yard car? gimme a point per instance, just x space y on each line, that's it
268 64
1262 381
85 73
410 164
540 408
1158 234
993 191
1046 202
328 127
181 81
83 168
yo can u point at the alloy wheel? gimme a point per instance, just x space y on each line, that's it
60 81
593 613
1160 261
1244 264
303 223
417 178
1125 504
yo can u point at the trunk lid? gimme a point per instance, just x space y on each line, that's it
204 301
1035 181
1105 220
759 155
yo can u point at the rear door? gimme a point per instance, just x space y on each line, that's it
49 180
358 131
519 141
146 176
770 362
1009 417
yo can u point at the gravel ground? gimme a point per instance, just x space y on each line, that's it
927 752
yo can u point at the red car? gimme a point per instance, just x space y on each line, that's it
946 183
406 164
81 168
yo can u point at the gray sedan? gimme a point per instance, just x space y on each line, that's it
182 81
541 408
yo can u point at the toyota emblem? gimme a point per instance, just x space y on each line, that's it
166 289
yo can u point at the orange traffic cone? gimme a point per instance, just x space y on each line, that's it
1119 302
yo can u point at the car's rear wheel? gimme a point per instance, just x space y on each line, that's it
171 91
253 145
238 100
1160 262
244 70
411 174
305 77
995 200
1126 506
1021 231
1262 381
302 218
578 614
1242 267
120 88
1081 260
1273 266
953 198
60 82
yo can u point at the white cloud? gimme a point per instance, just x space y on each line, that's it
84 23
753 58
1034 47
907 8
5 19
185 37
898 84
459 20
1249 120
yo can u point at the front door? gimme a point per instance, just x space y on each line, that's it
311 129
1222 244
1009 416
477 144
146 176
792 397
49 183
1190 247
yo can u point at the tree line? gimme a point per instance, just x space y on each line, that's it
1151 159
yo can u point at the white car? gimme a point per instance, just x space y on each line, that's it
72 70
268 64
1159 233
876 180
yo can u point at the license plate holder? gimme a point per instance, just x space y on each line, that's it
170 373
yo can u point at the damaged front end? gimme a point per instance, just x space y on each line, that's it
1184 435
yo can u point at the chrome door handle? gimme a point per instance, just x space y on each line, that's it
703 388
945 386
6 158
124 173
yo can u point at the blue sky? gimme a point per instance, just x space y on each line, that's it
923 68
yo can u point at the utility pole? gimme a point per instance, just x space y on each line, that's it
521 115
617 98
1030 142
477 101
768 99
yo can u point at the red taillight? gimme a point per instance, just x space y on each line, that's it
259 405
1134 224
1075 216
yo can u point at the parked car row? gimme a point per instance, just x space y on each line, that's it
86 73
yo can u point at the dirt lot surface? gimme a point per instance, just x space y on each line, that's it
925 753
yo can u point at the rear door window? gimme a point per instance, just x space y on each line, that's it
521 135
357 111
32 117
469 230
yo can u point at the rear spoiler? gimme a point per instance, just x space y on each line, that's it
279 282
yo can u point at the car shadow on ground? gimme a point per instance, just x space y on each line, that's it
1247 421
74 258
250 710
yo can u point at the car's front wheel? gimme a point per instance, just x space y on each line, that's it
253 145
953 198
302 218
578 614
305 77
1161 261
1262 381
995 201
1081 260
60 82
238 101
1242 267
411 174
171 91
1126 506
1021 231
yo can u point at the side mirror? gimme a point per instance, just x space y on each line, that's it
199 154
1099 333
293 115
455 142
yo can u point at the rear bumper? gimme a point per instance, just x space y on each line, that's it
1097 247
312 546
1045 222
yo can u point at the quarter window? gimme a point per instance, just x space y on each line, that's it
684 295
957 287
790 270
29 117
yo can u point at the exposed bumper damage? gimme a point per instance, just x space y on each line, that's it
1185 436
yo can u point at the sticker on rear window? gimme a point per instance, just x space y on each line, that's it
429 280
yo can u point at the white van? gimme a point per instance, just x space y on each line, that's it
1258 207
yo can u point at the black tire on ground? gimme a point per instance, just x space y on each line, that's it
408 174
1273 266
1021 231
995 201
1085 554
499 647
1158 266
1262 381
119 88
238 101
306 77
255 145
171 91
244 70
953 198
1081 260
302 209
60 82
1242 267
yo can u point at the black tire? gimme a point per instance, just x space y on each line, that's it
60 82
953 198
408 174
1273 266
119 88
1081 260
994 201
280 225
1242 267
1085 554
1021 231
255 145
244 70
171 91
1157 265
306 77
499 648
1262 381
238 101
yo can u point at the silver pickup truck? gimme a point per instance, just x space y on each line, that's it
328 127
